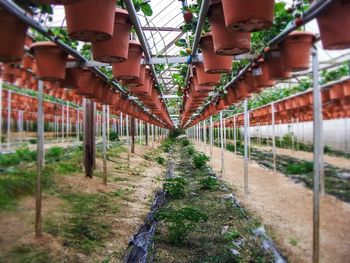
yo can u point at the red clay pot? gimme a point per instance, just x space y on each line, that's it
27 62
226 42
56 2
334 25
205 79
115 50
145 88
214 63
275 64
296 50
129 69
262 76
12 37
90 20
71 77
86 83
137 81
248 15
51 61
201 88
336 92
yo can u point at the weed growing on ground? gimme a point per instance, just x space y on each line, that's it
302 167
208 183
23 154
160 160
180 222
175 187
185 142
200 160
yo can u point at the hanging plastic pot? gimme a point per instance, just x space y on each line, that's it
13 33
336 92
50 60
71 76
261 75
129 69
334 25
56 2
137 81
90 20
146 80
86 83
205 79
214 63
226 42
201 88
276 67
248 15
296 50
115 50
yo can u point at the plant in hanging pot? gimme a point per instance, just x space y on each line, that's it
261 75
296 50
90 20
129 69
226 42
213 63
50 59
248 15
205 79
275 63
115 50
334 25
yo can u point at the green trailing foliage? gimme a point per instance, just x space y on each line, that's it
199 160
208 183
180 222
175 187
303 167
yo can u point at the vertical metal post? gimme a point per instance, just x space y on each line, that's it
224 123
40 160
235 133
273 136
153 136
62 123
120 125
89 137
0 113
292 128
127 137
9 92
78 125
222 144
104 141
245 148
108 125
67 121
205 135
318 156
133 129
211 136
141 137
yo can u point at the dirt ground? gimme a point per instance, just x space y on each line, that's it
139 181
333 160
286 209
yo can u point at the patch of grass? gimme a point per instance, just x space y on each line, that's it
302 167
293 241
200 160
175 187
28 254
232 235
23 154
190 151
185 142
167 145
88 228
160 160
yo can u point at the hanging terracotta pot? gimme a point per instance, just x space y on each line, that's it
249 83
201 88
261 75
334 25
51 61
27 62
137 81
205 79
129 69
248 15
275 64
220 105
336 92
242 90
71 76
226 42
214 63
296 50
115 50
90 20
13 33
56 2
86 83
147 83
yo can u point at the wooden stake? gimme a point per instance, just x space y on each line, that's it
89 138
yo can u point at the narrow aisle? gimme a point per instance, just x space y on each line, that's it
286 208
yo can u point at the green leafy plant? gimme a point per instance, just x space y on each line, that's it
175 187
232 235
190 151
160 160
208 183
113 136
54 154
180 222
167 145
199 160
185 142
302 167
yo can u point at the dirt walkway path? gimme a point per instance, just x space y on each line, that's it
333 160
286 208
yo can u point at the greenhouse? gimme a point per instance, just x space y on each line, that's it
174 131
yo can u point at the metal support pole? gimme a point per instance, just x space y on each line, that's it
67 121
89 137
9 92
40 160
108 125
273 136
62 123
245 148
0 113
225 143
318 156
78 125
140 140
235 133
205 136
153 135
104 141
211 136
222 144
127 137
133 129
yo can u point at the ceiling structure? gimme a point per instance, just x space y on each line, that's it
162 30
